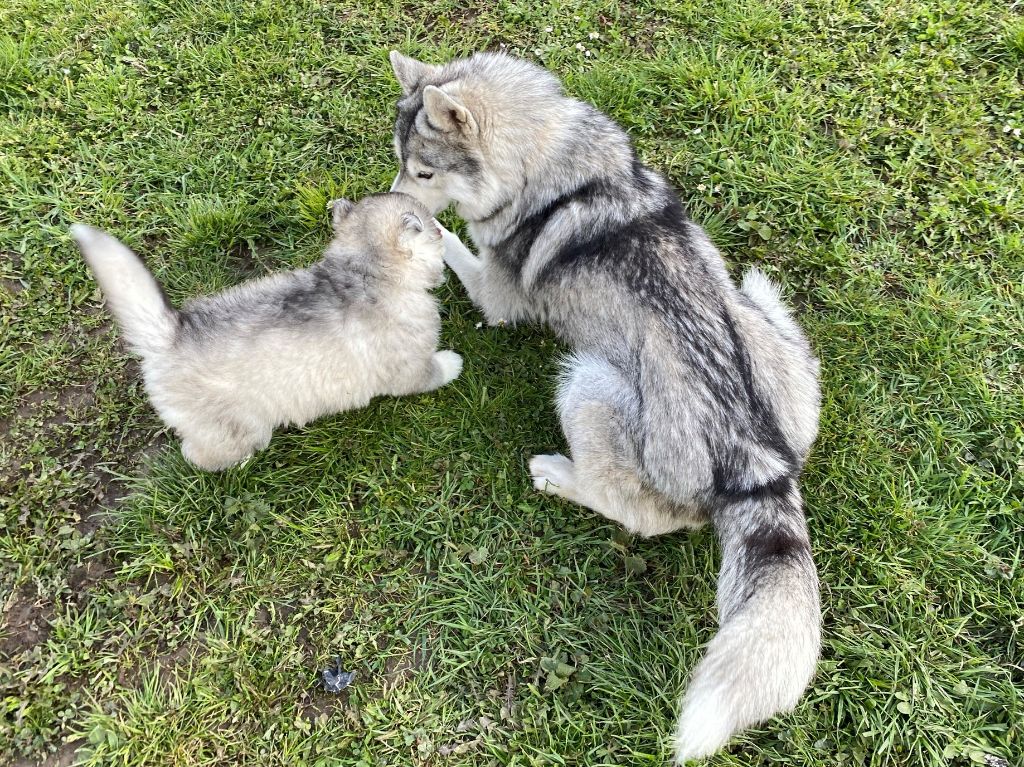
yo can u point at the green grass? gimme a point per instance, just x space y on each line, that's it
868 153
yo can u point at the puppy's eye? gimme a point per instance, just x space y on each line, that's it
425 175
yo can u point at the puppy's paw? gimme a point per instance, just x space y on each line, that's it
553 474
450 365
213 458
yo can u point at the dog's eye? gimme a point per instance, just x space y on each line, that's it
425 175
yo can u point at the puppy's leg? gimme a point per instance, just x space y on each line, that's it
597 408
211 453
445 367
498 298
441 368
221 445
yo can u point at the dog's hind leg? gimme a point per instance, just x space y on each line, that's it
596 406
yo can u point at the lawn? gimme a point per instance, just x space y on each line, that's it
868 153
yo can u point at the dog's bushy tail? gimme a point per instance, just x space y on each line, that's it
767 645
147 319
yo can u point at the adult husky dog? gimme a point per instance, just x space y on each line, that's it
226 369
685 400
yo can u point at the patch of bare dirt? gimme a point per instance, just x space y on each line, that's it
26 622
44 410
400 669
317 705
83 577
10 278
170 662
14 287
65 756
464 17
56 413
107 488
893 287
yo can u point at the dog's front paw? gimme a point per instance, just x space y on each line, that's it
450 365
456 254
449 239
446 235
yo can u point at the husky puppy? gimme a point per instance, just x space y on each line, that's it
225 370
686 399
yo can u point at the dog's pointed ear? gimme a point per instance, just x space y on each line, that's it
447 112
409 72
340 209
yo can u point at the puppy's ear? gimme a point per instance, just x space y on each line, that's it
409 72
446 112
412 223
340 210
415 232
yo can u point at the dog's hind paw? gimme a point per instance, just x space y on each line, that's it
553 474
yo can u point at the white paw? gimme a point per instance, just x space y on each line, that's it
446 235
456 254
450 364
212 459
553 474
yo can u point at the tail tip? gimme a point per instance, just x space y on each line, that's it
704 727
84 234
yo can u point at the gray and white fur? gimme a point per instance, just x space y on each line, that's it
686 399
225 370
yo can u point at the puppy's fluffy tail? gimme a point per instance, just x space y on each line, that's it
764 654
147 319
